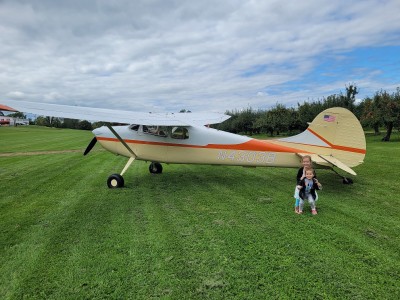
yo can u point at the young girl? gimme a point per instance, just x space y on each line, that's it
308 186
307 163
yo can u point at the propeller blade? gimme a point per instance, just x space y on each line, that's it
90 146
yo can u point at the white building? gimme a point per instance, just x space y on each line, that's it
11 121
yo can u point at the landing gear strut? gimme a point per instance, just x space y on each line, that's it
345 179
116 180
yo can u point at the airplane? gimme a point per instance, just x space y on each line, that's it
334 138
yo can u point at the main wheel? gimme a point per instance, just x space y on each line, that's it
155 168
115 181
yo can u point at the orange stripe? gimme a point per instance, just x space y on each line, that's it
338 147
253 145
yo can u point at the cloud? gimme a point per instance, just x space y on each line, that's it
204 55
16 95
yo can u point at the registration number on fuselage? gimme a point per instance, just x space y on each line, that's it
247 156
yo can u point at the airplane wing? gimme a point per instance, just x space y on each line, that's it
115 116
328 160
6 108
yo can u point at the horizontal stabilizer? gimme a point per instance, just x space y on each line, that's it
338 163
326 160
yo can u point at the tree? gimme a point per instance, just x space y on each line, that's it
383 109
351 92
17 115
84 125
244 121
43 121
70 123
307 112
294 121
391 113
278 119
371 115
56 122
261 122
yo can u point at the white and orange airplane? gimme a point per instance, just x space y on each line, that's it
334 138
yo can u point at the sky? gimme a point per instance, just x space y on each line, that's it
166 55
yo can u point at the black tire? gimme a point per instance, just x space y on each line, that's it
347 180
155 168
115 181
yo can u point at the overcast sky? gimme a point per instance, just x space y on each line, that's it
162 55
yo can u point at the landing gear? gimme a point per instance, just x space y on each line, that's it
115 181
345 179
155 168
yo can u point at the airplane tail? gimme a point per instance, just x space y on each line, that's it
334 138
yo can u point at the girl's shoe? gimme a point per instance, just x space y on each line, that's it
296 209
314 211
300 212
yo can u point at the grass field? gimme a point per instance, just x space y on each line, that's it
193 232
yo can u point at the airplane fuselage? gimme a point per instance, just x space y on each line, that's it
199 145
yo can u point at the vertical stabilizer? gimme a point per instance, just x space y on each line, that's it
335 132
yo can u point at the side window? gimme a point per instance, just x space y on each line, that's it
180 133
155 130
163 131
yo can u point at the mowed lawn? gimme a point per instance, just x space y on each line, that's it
193 232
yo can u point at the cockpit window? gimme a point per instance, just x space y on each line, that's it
134 127
180 133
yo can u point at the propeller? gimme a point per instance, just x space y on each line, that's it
90 146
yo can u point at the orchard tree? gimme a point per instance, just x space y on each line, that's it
307 112
278 118
371 115
391 113
383 109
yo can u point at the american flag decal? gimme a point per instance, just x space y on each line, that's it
329 118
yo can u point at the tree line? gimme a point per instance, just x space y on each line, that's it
380 111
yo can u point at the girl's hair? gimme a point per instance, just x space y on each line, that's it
306 156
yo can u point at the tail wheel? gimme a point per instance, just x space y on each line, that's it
347 180
115 181
155 168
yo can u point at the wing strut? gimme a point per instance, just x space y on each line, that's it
116 180
121 140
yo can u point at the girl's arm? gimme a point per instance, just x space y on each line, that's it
299 175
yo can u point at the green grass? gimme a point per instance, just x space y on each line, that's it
193 232
36 138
